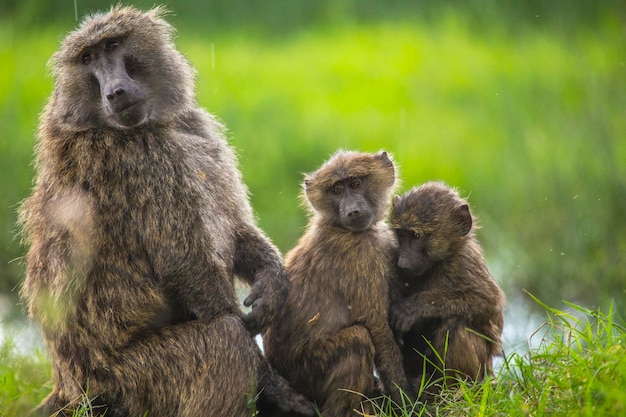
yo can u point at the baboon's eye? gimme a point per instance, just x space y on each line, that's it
355 183
111 44
416 235
336 190
86 58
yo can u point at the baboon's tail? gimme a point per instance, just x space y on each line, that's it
276 390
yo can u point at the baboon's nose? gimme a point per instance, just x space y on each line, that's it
403 262
354 213
115 93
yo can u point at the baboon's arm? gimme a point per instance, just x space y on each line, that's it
59 252
435 303
388 360
47 265
258 262
200 282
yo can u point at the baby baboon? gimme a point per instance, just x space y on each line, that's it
448 299
137 224
333 328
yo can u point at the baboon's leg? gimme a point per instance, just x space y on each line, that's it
467 355
466 352
193 369
347 361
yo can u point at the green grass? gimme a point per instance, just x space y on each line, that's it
575 367
23 379
529 123
529 127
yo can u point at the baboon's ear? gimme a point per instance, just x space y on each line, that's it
383 156
463 219
308 179
395 201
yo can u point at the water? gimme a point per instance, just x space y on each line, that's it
25 337
520 323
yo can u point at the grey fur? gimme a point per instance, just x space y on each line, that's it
137 225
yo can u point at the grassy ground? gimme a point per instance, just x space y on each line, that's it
577 368
23 379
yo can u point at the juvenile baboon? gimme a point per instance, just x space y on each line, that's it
137 225
333 328
448 300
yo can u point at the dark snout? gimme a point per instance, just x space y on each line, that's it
123 101
118 95
350 211
405 261
354 216
353 211
412 262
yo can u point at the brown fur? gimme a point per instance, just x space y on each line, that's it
333 327
137 225
447 298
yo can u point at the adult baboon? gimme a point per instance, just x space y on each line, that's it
449 306
137 224
333 328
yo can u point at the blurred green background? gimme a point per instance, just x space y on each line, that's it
519 104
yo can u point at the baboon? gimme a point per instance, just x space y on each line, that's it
447 306
137 225
333 327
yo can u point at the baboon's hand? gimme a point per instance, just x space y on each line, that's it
265 298
254 320
398 337
402 317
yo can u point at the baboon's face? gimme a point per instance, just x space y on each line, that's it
413 254
430 222
120 70
117 80
350 203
